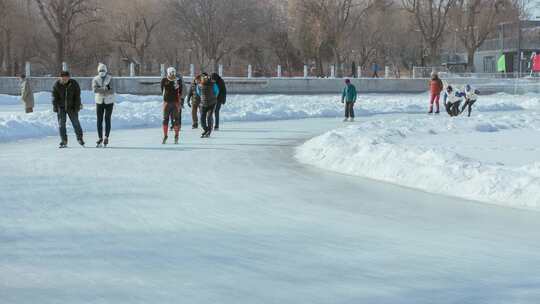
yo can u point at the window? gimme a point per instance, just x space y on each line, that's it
489 64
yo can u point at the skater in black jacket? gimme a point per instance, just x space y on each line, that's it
208 91
66 102
221 98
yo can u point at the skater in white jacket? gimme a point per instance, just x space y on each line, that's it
102 85
452 100
471 95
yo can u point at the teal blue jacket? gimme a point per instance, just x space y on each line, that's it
349 93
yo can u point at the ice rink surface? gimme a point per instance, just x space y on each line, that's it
237 219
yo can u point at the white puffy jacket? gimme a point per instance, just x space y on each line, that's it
103 87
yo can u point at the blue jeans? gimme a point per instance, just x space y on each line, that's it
74 118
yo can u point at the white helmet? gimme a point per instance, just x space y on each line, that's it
171 71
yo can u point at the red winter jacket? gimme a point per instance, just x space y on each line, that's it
436 86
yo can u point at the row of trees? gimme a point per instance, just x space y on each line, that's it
264 33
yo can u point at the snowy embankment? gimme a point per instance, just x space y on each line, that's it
145 111
493 158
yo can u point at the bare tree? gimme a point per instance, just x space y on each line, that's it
64 18
476 20
6 36
134 34
335 20
373 32
431 17
213 25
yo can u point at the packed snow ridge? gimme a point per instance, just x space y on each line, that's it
145 111
491 158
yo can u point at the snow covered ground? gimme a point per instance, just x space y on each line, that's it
236 219
494 157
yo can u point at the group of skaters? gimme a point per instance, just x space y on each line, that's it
205 96
453 98
455 101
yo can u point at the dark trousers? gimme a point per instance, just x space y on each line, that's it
104 111
216 114
171 112
74 118
452 108
195 114
207 118
349 109
469 104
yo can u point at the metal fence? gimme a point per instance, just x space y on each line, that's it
443 72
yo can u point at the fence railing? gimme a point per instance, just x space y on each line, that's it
244 71
249 71
443 72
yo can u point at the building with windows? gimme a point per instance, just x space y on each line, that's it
516 40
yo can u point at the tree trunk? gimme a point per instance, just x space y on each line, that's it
433 53
320 67
214 65
338 68
59 55
470 60
2 54
9 58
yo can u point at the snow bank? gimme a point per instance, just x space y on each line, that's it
145 111
425 153
44 123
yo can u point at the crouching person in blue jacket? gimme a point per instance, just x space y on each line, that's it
452 101
349 99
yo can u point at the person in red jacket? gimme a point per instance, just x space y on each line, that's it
171 89
435 88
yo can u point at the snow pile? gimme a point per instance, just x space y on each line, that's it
44 123
431 154
145 111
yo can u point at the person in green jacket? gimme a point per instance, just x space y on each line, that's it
349 98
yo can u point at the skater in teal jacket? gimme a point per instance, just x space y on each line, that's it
349 99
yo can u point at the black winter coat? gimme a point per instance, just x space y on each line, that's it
222 97
67 96
171 90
